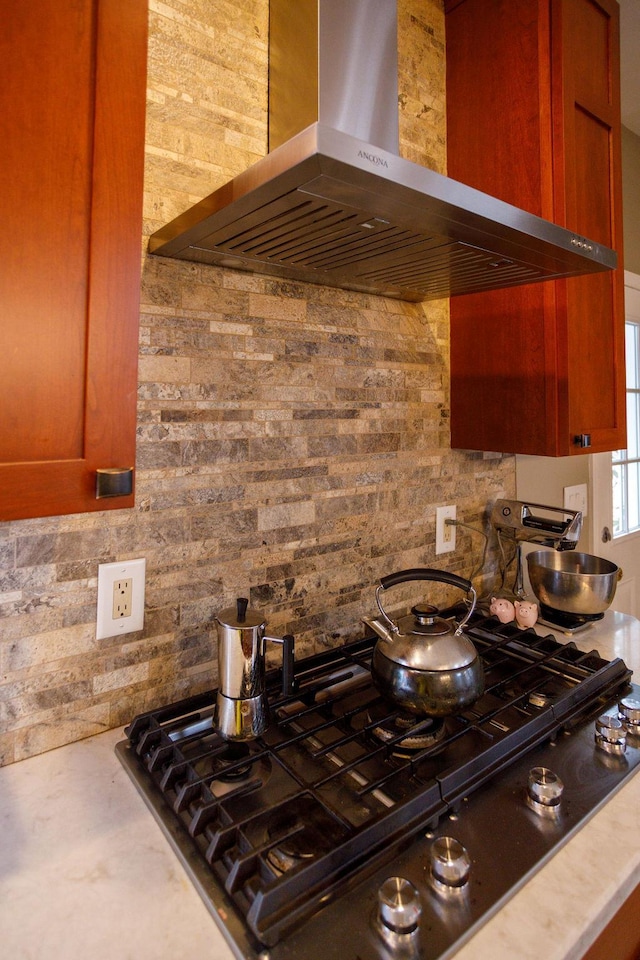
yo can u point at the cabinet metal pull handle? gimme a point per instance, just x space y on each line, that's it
114 482
582 440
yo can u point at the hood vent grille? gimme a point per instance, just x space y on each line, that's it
344 247
327 207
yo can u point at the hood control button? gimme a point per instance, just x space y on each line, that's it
544 792
611 735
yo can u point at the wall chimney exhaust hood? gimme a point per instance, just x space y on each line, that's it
333 202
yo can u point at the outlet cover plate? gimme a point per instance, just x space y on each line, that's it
445 533
108 575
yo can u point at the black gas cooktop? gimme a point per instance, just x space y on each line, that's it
289 837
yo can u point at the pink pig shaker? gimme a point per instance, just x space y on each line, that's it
503 609
526 613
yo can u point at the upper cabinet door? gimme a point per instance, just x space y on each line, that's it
72 102
588 164
533 116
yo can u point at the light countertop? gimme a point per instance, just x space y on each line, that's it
86 872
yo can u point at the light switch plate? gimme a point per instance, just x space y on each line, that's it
577 498
112 618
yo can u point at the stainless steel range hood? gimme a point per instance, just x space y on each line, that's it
333 202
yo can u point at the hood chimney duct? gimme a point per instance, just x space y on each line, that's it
331 62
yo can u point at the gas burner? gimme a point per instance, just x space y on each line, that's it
233 764
420 734
293 850
300 834
569 623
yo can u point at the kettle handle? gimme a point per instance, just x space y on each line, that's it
426 573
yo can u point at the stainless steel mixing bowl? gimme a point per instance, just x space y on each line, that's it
576 583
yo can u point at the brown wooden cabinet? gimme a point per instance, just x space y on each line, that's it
72 103
620 939
533 117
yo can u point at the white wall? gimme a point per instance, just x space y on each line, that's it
543 479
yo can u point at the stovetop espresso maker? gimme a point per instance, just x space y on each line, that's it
242 710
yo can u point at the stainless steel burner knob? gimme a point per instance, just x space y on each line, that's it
399 907
545 785
629 715
544 791
611 736
450 863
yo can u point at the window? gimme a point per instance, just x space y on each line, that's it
626 463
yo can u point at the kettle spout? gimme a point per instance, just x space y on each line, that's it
380 629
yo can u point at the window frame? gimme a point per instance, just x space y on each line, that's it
625 464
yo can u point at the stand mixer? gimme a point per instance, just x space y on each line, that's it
519 522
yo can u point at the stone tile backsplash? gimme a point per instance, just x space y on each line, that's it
293 440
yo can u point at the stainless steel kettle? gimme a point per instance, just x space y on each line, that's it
421 663
242 708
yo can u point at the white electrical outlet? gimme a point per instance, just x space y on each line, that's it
445 532
120 598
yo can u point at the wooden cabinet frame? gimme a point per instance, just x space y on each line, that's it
533 108
114 33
